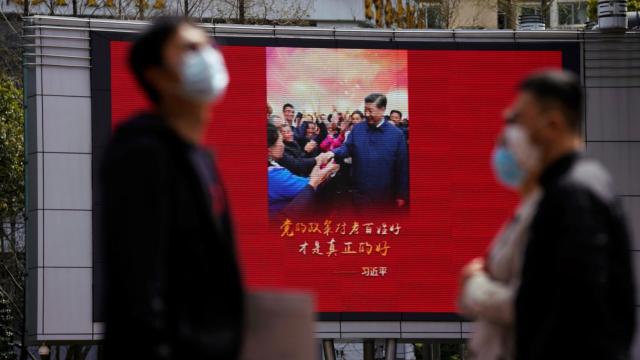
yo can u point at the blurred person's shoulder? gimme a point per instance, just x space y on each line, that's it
589 174
585 184
143 136
142 127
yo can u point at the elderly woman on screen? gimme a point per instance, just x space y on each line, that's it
288 192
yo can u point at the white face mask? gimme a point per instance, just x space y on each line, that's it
204 74
517 140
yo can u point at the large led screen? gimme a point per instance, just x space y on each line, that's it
356 250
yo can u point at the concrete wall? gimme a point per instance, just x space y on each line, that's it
59 228
477 14
612 127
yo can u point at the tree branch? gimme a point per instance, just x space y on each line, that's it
15 282
12 302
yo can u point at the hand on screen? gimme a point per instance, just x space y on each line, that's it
324 158
311 145
321 174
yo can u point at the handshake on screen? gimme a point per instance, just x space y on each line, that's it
325 168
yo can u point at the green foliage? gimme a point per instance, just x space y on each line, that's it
592 10
11 151
451 351
10 51
633 5
11 214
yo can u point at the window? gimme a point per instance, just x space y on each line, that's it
434 16
530 10
502 20
570 13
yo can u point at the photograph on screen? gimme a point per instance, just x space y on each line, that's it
354 257
338 106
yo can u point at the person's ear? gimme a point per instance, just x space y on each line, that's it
555 121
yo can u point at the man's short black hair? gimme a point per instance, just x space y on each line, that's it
378 99
286 106
555 88
397 112
146 51
272 135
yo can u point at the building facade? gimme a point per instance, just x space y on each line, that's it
421 14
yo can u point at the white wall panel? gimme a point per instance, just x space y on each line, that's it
67 124
67 305
67 181
67 238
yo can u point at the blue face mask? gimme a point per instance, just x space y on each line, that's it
506 168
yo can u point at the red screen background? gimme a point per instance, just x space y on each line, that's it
456 99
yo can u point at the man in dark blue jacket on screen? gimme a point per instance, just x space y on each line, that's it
380 159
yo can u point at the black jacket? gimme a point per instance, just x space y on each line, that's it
293 148
173 285
576 297
294 159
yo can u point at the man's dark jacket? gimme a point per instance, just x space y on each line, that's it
380 164
295 159
173 284
293 148
576 297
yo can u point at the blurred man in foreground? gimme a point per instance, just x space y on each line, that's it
576 296
173 285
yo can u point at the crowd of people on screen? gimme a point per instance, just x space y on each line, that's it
338 161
